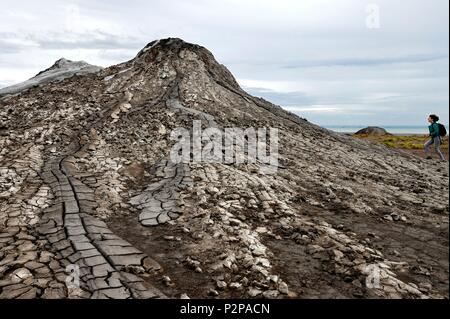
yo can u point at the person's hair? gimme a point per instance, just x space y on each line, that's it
434 117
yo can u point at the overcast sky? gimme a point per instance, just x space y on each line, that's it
332 62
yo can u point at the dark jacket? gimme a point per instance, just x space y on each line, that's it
434 130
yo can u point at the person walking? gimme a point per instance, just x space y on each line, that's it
435 137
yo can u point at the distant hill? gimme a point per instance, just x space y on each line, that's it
60 70
373 130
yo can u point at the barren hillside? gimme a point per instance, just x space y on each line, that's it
86 181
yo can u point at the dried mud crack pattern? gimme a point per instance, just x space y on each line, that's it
83 240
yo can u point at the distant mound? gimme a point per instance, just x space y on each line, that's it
373 130
60 70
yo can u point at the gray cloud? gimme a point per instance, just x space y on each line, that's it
366 61
281 98
16 42
98 40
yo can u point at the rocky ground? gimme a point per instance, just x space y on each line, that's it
86 181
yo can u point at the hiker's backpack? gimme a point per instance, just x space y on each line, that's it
442 130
